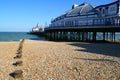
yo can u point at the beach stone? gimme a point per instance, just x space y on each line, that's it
18 63
18 74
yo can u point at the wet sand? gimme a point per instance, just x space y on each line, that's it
44 60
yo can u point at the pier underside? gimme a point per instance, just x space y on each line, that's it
82 33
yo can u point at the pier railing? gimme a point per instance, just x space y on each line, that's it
80 27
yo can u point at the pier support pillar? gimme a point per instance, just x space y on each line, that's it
94 36
103 36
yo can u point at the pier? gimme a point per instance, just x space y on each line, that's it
87 33
85 22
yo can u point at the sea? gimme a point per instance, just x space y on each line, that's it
16 36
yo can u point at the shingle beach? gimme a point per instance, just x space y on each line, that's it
45 60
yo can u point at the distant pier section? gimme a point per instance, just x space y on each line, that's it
37 30
85 22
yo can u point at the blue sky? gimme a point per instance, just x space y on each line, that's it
22 15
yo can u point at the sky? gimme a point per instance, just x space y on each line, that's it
23 15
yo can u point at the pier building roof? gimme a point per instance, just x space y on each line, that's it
78 10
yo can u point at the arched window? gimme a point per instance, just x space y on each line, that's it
103 11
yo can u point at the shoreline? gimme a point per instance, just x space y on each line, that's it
99 41
8 41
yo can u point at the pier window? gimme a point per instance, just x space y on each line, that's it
100 9
103 11
90 22
76 22
69 23
62 23
112 8
95 21
106 11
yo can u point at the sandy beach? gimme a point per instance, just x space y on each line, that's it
44 60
